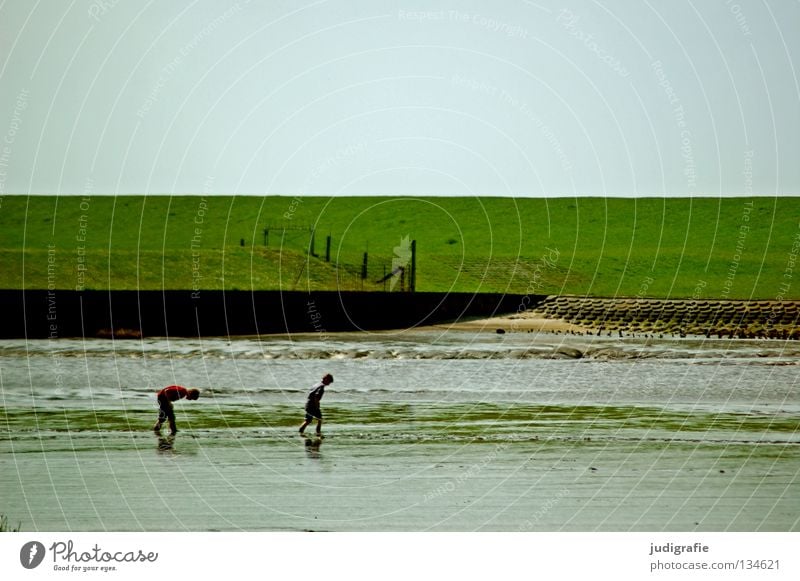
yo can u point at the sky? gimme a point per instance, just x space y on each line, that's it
381 97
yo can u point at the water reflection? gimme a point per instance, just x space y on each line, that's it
166 444
312 446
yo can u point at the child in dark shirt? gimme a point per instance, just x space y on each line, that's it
313 410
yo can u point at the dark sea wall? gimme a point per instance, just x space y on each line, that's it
63 313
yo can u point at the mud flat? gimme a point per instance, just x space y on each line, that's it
347 482
424 430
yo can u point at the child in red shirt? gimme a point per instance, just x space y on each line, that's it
165 398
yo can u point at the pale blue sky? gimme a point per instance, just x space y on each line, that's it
576 97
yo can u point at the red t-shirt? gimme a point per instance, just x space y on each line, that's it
173 393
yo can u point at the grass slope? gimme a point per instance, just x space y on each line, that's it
655 247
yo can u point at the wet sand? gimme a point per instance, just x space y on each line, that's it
264 481
464 432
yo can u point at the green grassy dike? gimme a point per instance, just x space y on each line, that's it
740 248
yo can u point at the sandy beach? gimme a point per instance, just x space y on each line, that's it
531 322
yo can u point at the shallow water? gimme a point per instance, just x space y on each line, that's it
424 430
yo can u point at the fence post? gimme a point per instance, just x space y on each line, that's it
364 267
328 248
412 280
266 236
311 243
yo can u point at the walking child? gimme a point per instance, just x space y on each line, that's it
165 398
313 410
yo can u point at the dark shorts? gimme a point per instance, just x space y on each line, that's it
165 411
313 414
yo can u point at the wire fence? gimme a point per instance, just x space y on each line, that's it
373 272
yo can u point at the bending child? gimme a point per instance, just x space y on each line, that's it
165 398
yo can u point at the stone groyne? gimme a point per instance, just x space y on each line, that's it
710 318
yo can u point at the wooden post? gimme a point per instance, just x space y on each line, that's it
266 236
364 267
328 248
412 280
311 250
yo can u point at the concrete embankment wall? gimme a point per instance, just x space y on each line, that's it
720 318
63 313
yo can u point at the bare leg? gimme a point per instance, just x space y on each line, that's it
304 426
319 427
162 415
171 418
